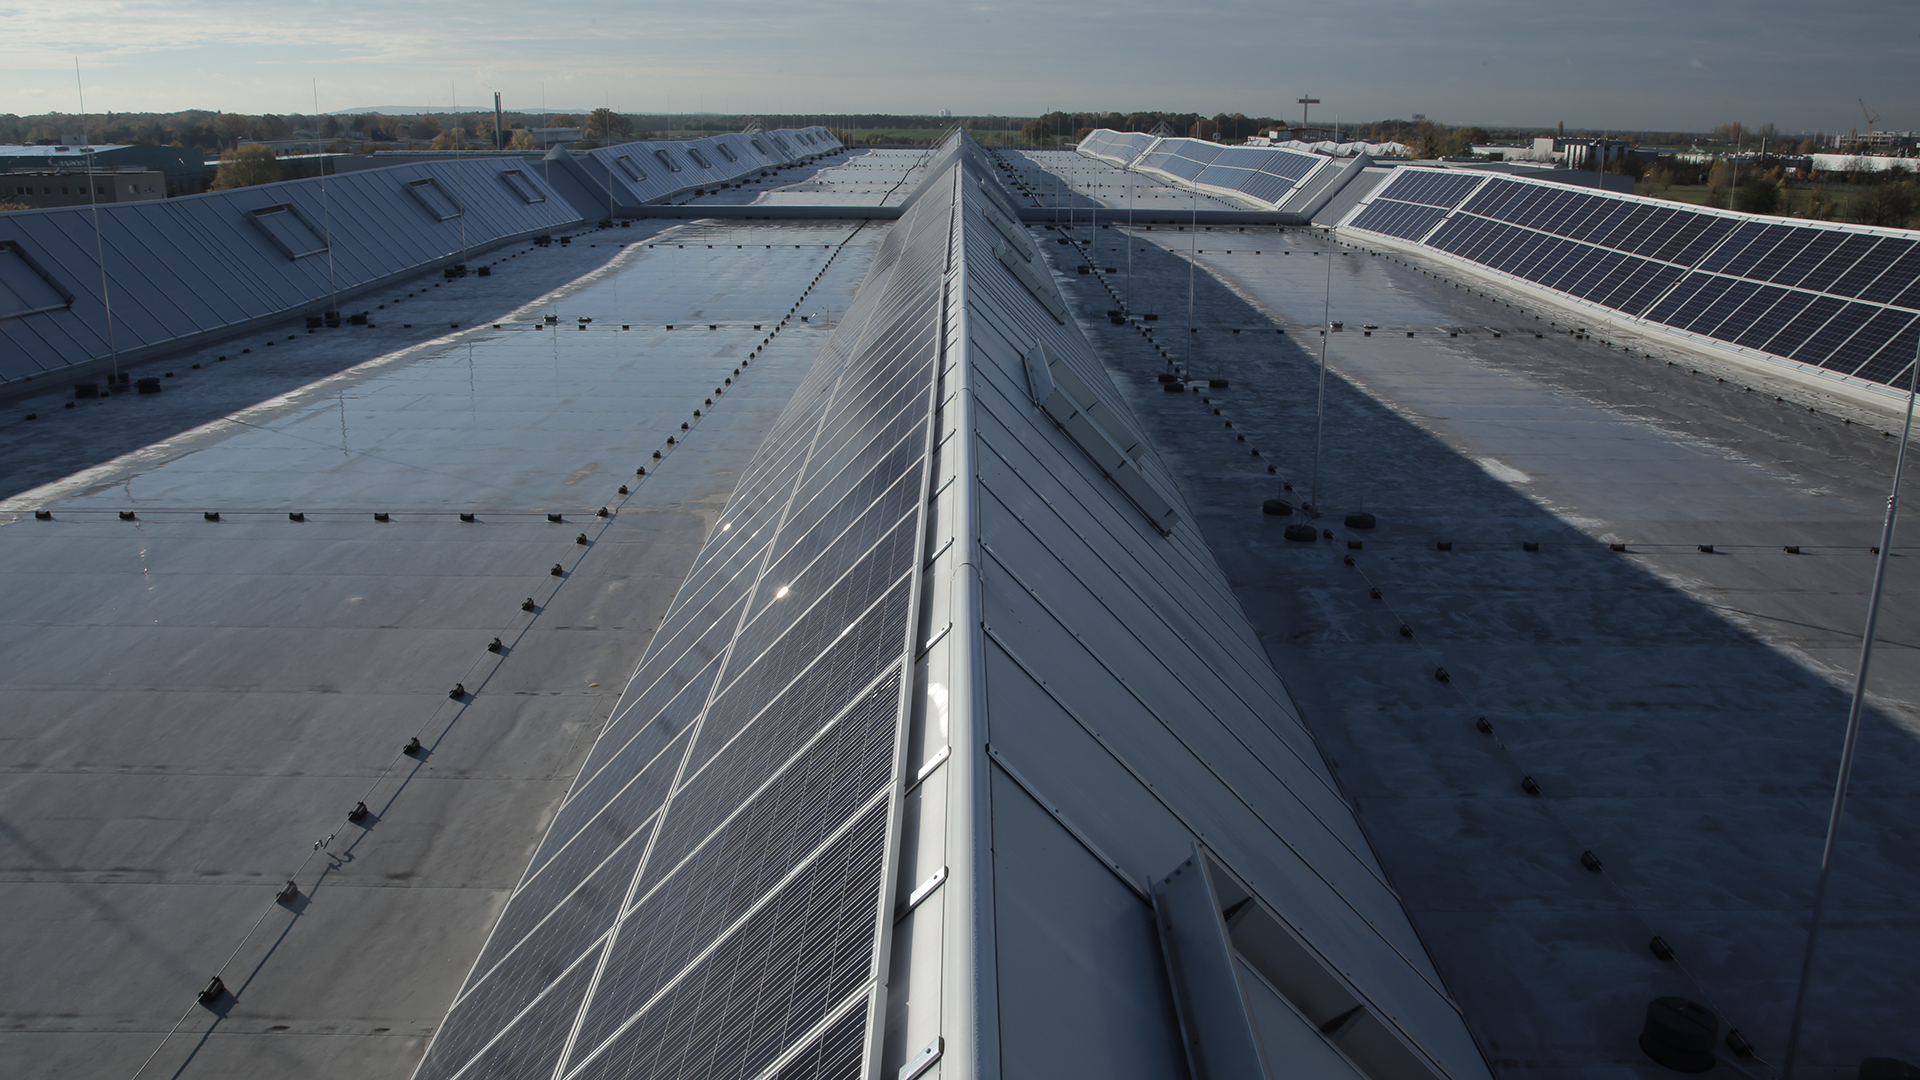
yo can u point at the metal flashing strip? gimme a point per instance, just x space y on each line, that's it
922 1061
1113 446
524 186
441 205
1212 931
924 890
289 231
1041 289
937 759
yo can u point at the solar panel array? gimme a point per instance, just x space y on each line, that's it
645 172
708 900
206 266
1842 298
1266 173
1118 147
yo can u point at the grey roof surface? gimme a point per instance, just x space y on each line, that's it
272 669
1680 710
1037 638
204 384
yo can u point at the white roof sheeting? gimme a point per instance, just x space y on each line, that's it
1289 179
656 170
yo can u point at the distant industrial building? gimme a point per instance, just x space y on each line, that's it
1574 153
39 188
550 137
1863 163
1885 141
185 170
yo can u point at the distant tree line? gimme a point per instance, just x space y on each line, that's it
210 131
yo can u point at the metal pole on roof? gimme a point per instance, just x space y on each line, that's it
1193 255
99 245
1733 177
1851 743
1320 409
546 167
459 174
1129 239
326 222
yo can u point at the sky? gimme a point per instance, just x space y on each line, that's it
1684 65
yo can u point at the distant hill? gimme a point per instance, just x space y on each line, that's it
436 110
484 106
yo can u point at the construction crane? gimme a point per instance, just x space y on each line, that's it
1872 117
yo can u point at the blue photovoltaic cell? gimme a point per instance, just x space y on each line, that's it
1766 324
1818 246
835 1055
1897 277
1852 252
1290 163
1868 340
768 981
1836 331
1803 326
1744 235
1688 250
1871 266
1750 302
1444 190
1761 258
529 1048
1266 187
1405 220
1895 359
1638 295
1719 307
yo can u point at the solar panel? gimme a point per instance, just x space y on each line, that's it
1266 187
1751 282
1834 333
1291 164
1406 220
526 1046
1853 248
834 1055
772 977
